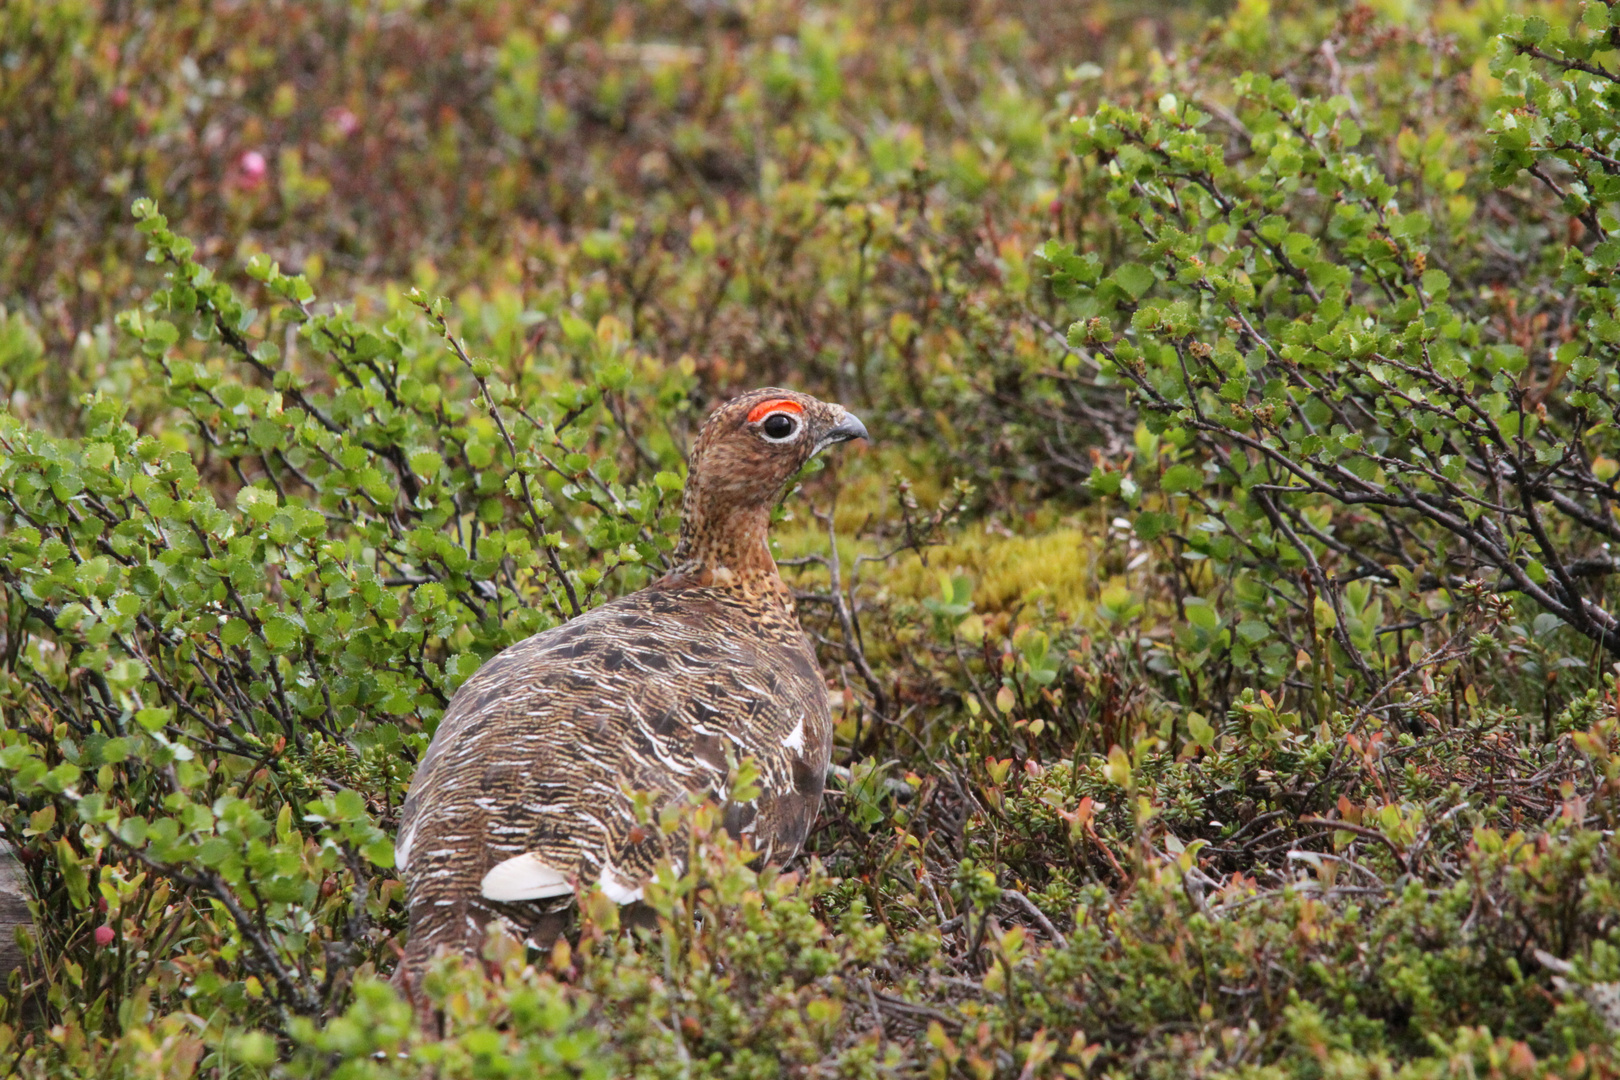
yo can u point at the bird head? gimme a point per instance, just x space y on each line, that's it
753 445
750 448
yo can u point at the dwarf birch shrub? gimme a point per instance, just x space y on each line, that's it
1360 412
217 627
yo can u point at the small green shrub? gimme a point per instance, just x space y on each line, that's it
216 681
1356 412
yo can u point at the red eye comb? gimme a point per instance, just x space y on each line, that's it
765 408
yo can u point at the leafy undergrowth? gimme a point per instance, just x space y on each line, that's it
1221 630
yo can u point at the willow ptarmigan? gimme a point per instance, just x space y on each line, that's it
525 792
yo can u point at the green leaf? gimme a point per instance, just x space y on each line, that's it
1253 631
1182 478
1200 614
281 632
1134 278
132 831
73 874
578 333
351 805
1152 524
257 503
380 852
153 719
426 463
1200 730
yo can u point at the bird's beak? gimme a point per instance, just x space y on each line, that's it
847 428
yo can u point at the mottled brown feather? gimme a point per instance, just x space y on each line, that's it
661 692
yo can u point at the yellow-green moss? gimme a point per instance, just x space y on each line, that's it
1057 569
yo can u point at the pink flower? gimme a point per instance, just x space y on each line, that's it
344 121
104 935
252 166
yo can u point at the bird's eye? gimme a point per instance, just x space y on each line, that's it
779 427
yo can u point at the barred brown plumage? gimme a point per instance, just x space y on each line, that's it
524 794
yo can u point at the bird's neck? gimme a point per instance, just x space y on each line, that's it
729 550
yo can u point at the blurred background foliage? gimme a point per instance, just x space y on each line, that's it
1221 626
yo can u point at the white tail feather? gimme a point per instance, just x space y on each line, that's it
614 887
402 849
524 877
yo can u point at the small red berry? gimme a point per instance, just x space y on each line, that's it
104 936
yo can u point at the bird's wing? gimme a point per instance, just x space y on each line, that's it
525 789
